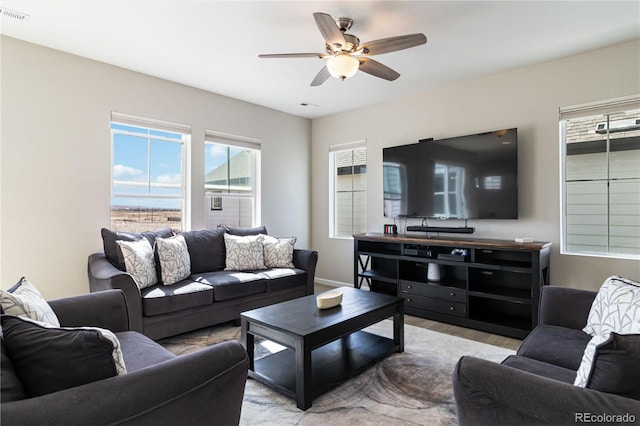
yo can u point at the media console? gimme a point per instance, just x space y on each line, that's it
485 284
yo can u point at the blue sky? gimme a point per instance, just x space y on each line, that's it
136 172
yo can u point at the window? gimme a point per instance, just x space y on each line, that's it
231 181
601 178
348 189
148 174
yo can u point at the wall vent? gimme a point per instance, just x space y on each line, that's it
19 16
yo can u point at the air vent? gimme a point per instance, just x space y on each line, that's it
618 126
19 16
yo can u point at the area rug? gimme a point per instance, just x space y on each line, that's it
410 388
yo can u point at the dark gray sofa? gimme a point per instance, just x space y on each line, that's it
159 388
535 386
210 295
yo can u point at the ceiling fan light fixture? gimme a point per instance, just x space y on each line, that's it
343 66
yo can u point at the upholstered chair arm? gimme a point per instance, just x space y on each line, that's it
105 309
488 393
565 307
203 387
306 260
104 276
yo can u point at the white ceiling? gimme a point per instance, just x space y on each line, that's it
214 45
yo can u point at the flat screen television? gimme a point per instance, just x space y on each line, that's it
467 177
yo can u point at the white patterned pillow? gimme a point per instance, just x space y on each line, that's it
24 300
175 262
278 252
139 261
616 308
244 253
589 357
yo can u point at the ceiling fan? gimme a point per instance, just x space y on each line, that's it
346 54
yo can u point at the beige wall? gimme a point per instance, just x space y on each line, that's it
526 98
55 158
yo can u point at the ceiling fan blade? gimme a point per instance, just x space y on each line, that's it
329 29
293 55
377 69
391 44
321 77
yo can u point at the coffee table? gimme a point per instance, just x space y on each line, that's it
323 347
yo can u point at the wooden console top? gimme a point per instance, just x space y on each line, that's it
452 241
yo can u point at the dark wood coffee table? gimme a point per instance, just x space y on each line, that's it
324 347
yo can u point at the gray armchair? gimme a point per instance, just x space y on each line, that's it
535 386
159 388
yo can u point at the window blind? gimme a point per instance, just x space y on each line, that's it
135 120
349 145
234 140
600 108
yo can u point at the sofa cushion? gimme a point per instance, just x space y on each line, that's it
237 230
540 368
24 300
243 253
163 299
616 308
139 261
173 255
49 359
11 388
206 249
278 252
111 249
139 351
230 285
610 364
560 346
284 278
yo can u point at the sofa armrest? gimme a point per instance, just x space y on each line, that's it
490 393
198 388
306 260
105 309
104 276
565 307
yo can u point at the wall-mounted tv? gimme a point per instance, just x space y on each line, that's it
467 177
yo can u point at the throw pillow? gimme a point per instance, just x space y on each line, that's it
611 365
49 359
278 252
24 300
206 250
139 261
112 250
11 388
615 308
175 264
242 231
244 253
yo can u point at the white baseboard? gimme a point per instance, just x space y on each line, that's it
332 283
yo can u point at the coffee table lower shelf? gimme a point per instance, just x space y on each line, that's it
331 364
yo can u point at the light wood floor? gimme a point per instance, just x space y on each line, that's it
454 330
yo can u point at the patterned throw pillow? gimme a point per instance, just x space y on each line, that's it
244 253
49 359
139 261
175 263
278 252
24 300
616 308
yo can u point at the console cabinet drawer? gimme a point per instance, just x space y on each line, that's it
435 305
433 290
